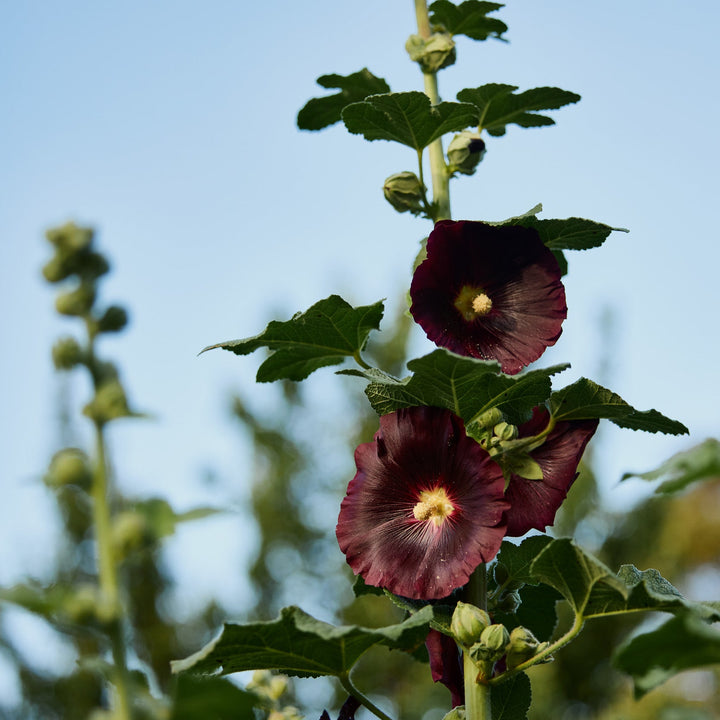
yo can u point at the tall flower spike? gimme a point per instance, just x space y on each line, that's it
489 291
533 503
425 507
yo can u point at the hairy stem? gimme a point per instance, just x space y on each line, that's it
364 701
438 169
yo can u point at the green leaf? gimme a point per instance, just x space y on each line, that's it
537 610
465 386
585 399
683 643
469 18
325 334
579 577
162 519
299 645
517 559
511 700
498 106
322 112
700 463
407 118
569 234
200 698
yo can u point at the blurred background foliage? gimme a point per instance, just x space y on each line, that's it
297 562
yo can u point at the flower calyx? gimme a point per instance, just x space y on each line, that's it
433 53
465 152
405 192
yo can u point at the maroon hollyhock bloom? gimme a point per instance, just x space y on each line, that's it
425 507
489 291
533 503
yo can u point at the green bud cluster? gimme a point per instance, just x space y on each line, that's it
465 152
70 466
67 354
468 623
405 192
109 403
433 53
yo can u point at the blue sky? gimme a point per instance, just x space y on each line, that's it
169 126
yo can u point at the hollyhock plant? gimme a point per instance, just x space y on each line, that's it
425 507
533 503
489 291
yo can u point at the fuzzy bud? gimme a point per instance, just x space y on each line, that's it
509 602
489 418
70 239
522 646
491 647
113 319
67 353
467 623
69 467
457 713
433 53
404 192
129 532
109 403
465 152
505 431
76 302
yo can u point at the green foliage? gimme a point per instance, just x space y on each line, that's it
299 645
569 234
498 105
466 386
511 700
682 643
407 118
585 399
321 112
700 463
325 334
199 698
469 18
516 560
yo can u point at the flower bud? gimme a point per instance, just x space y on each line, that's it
467 623
109 403
522 646
491 647
67 353
76 302
489 418
57 269
69 467
505 431
509 602
81 606
404 192
465 151
92 265
129 532
433 53
113 319
457 713
69 238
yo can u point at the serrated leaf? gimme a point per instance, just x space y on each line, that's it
498 106
579 577
700 463
325 334
537 610
683 643
517 559
200 698
322 112
569 234
469 18
407 118
511 700
585 400
466 386
297 644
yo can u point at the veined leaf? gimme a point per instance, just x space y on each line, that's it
407 118
297 644
469 18
325 334
517 559
701 462
466 386
511 700
498 106
199 698
322 112
585 399
569 234
683 643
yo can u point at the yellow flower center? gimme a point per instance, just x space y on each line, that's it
472 303
434 505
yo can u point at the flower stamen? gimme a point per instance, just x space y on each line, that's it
434 505
473 303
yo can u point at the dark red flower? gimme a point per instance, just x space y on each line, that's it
425 507
489 291
533 503
446 664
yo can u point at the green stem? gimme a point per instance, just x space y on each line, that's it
364 701
358 359
438 169
477 694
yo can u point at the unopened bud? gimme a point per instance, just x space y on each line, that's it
433 53
129 532
92 265
69 467
57 269
465 151
76 302
404 192
522 646
467 623
457 713
69 238
509 602
67 353
113 319
491 647
109 403
505 431
489 418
